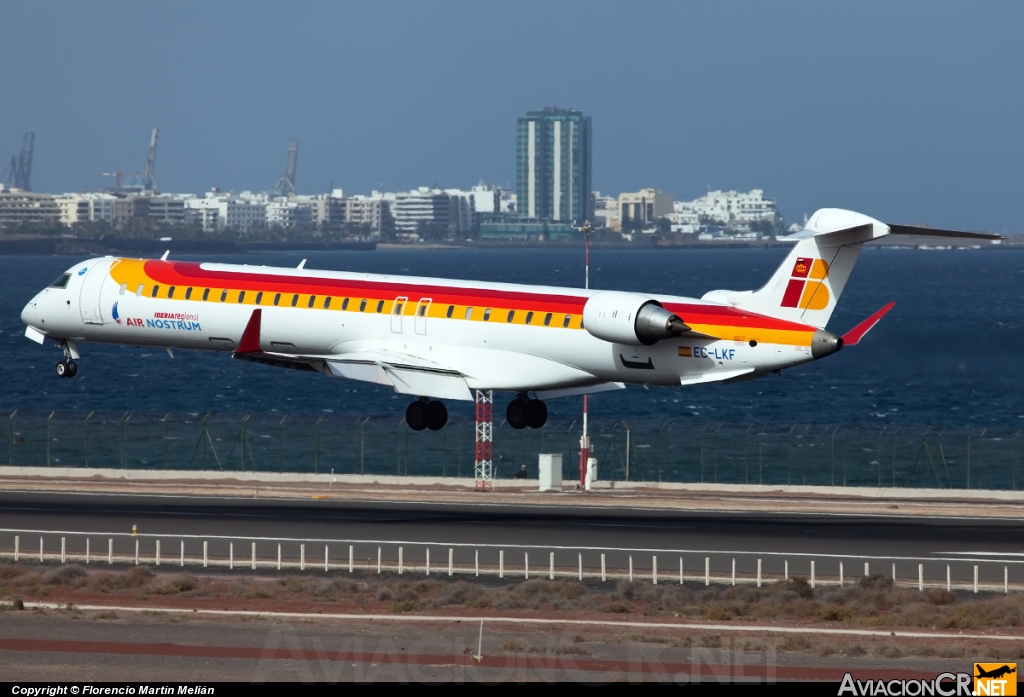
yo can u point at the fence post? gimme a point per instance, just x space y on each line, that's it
158 552
526 564
812 573
758 573
551 566
581 566
87 550
1006 579
975 578
630 568
278 556
501 564
351 555
867 569
920 578
428 561
400 569
110 550
680 571
785 570
40 549
63 549
136 551
206 553
253 561
476 561
183 552
604 576
231 555
948 579
451 561
326 558
894 574
378 560
302 557
654 570
840 574
707 571
17 547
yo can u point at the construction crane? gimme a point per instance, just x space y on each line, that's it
19 172
147 177
117 174
138 182
285 186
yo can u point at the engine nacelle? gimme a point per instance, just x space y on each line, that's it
630 318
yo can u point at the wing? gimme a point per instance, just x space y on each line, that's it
451 373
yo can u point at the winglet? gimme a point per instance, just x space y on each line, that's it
853 336
250 341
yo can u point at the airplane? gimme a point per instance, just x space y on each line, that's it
994 673
438 339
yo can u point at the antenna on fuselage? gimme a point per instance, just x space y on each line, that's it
302 264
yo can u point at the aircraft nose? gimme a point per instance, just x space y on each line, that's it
29 313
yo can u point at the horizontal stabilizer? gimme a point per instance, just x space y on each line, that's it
917 231
852 337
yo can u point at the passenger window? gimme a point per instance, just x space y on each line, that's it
487 315
259 297
277 298
224 295
344 304
206 294
140 290
547 319
241 296
295 300
188 293
398 309
469 313
529 317
327 303
380 306
170 292
451 309
511 315
565 322
362 305
422 311
124 287
312 299
156 289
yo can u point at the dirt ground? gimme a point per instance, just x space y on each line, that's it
180 640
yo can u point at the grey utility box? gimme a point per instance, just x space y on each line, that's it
550 472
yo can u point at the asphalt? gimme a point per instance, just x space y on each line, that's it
996 546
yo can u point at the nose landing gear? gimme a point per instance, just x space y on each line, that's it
426 413
523 412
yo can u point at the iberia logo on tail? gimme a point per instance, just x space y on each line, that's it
806 288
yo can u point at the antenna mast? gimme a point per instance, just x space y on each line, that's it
285 186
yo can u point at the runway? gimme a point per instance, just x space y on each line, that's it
781 540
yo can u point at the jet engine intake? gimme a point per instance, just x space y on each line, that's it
630 318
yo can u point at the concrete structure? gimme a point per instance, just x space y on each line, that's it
240 212
18 207
553 163
644 207
289 213
503 226
426 209
604 211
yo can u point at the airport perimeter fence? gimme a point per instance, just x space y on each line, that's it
680 451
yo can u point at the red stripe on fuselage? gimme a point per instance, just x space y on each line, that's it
186 273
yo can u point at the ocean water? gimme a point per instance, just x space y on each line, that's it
950 354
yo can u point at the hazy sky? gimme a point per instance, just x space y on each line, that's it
908 111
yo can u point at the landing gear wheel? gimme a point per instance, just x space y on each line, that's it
536 413
416 415
516 413
437 415
66 369
72 369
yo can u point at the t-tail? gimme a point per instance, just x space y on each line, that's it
807 286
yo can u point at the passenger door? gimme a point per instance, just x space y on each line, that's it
396 314
422 310
89 296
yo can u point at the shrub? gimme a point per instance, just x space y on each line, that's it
833 613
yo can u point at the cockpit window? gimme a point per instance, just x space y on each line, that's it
61 282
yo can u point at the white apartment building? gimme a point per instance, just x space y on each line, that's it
19 207
241 212
731 208
606 211
289 213
431 207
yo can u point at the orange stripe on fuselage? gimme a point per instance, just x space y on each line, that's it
726 322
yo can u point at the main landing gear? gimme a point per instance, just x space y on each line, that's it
523 412
67 368
426 413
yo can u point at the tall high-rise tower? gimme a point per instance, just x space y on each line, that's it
553 165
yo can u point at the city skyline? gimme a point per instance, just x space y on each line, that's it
881 116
